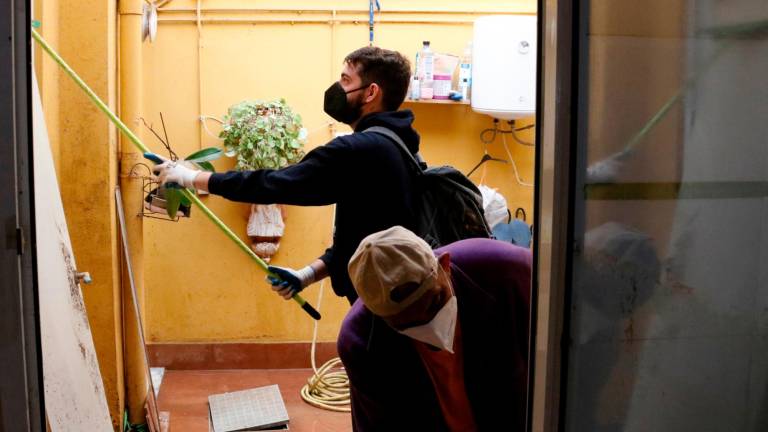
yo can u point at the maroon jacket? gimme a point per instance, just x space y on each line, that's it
391 390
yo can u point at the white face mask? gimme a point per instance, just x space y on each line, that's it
438 332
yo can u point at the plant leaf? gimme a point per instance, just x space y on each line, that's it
206 166
205 155
172 202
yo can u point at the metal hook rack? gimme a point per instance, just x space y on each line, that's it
152 197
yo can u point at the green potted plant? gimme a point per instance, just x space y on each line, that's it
263 134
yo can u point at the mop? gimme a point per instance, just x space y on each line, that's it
145 150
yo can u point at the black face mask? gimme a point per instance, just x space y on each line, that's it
337 106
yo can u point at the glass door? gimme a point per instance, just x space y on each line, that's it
665 288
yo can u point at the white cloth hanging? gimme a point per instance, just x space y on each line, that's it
494 206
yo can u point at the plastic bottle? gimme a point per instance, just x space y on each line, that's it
427 71
428 62
441 86
416 81
465 72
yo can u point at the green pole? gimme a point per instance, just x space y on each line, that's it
727 32
144 149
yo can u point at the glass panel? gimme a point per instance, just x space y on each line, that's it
668 317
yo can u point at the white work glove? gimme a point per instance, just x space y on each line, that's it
289 281
180 172
608 169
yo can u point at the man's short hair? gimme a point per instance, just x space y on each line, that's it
389 69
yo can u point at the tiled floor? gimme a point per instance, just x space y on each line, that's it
185 394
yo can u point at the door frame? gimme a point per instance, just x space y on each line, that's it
21 395
556 132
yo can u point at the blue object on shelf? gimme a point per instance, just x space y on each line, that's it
516 232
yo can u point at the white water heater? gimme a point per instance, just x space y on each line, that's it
504 66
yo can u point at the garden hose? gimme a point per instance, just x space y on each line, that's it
144 149
328 388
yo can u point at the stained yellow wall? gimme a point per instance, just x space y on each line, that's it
198 286
84 146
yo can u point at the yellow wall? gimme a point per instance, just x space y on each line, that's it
198 286
85 152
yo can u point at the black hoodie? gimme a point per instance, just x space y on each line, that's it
364 174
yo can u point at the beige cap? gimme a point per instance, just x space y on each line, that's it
388 259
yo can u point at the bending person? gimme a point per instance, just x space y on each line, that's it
437 336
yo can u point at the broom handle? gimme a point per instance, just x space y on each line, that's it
144 149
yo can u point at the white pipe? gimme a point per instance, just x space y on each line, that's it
199 23
348 11
306 21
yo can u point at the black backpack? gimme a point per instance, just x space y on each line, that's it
450 205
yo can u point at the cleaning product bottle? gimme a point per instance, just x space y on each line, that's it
416 81
427 71
428 60
465 72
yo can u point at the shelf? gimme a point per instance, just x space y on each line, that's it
436 101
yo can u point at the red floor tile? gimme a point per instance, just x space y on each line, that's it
185 395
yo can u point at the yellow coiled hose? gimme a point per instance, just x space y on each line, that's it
328 388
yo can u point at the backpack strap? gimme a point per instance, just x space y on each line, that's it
416 159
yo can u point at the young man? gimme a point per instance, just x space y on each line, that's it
364 174
438 340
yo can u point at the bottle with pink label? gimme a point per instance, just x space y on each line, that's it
441 86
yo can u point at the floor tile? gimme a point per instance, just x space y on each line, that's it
185 395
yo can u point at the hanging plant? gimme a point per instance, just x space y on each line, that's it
264 134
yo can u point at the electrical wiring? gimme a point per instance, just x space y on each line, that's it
203 118
325 125
519 141
514 165
495 130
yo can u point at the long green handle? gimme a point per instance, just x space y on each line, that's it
667 107
732 31
144 149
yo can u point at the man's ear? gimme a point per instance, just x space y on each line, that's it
372 92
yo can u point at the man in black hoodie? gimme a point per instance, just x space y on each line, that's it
365 174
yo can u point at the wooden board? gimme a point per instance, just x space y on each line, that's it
74 392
